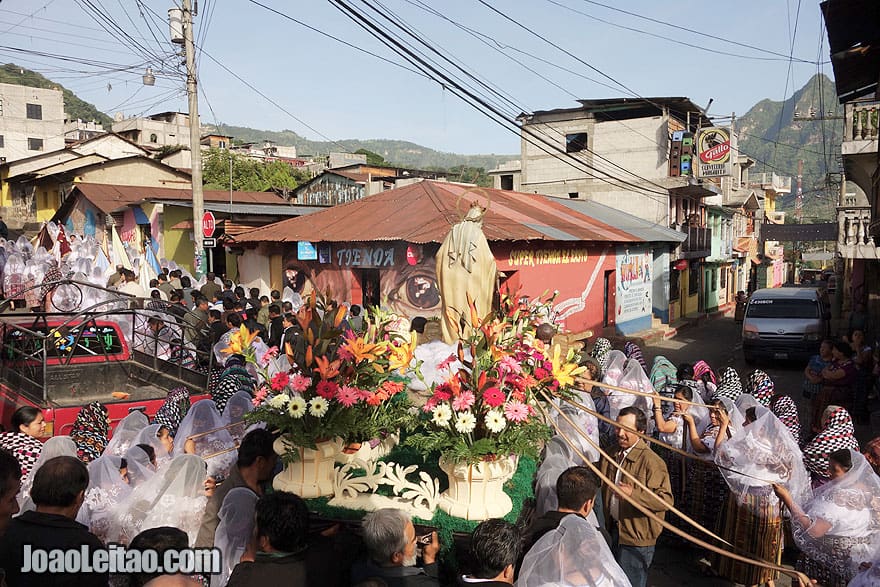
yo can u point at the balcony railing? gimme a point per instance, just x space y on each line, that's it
862 121
854 240
767 181
698 243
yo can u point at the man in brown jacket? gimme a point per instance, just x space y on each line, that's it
635 534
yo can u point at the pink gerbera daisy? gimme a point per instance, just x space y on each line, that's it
464 401
516 411
347 396
299 383
280 381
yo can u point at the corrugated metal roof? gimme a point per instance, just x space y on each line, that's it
638 227
108 198
423 212
255 209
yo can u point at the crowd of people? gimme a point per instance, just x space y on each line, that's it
639 451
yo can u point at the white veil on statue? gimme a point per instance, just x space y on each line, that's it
234 530
106 493
212 441
575 553
126 432
764 455
173 497
57 446
845 520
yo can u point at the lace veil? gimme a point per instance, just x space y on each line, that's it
765 454
107 490
849 507
234 530
149 436
238 405
126 432
575 553
215 444
140 469
173 497
57 446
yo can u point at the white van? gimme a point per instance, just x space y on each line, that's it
784 323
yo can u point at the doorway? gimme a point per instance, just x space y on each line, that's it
369 279
610 298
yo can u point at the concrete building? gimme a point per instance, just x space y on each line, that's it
31 121
633 155
165 129
32 189
507 176
81 130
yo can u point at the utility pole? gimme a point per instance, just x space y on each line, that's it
799 199
194 138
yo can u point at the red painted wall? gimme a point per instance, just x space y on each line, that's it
575 270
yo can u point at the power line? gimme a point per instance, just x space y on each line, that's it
787 77
679 27
665 38
477 101
337 39
43 7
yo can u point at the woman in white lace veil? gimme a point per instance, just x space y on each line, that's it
759 455
141 464
125 433
634 378
173 497
212 441
151 437
839 528
672 430
106 492
614 363
57 446
575 553
239 404
234 530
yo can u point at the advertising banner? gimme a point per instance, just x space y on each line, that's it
715 152
634 286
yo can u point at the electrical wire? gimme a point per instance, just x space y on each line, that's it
787 77
664 38
679 27
476 101
43 7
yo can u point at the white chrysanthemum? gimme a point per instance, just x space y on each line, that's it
318 407
466 422
441 415
297 407
495 421
279 402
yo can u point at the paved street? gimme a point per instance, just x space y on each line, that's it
718 343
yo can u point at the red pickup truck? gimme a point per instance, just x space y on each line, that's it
59 363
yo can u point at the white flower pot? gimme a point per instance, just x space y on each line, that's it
311 475
476 492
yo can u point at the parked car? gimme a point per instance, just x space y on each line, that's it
784 323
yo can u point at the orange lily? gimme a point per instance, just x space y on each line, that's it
401 356
240 341
340 314
475 318
327 369
310 354
361 350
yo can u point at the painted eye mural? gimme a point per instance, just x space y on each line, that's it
412 290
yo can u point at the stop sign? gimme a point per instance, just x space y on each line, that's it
208 224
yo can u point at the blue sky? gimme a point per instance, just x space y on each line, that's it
341 93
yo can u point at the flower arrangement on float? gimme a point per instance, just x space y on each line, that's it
484 415
349 388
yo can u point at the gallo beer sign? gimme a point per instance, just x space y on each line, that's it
714 152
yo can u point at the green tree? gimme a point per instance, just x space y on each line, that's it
248 175
372 158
